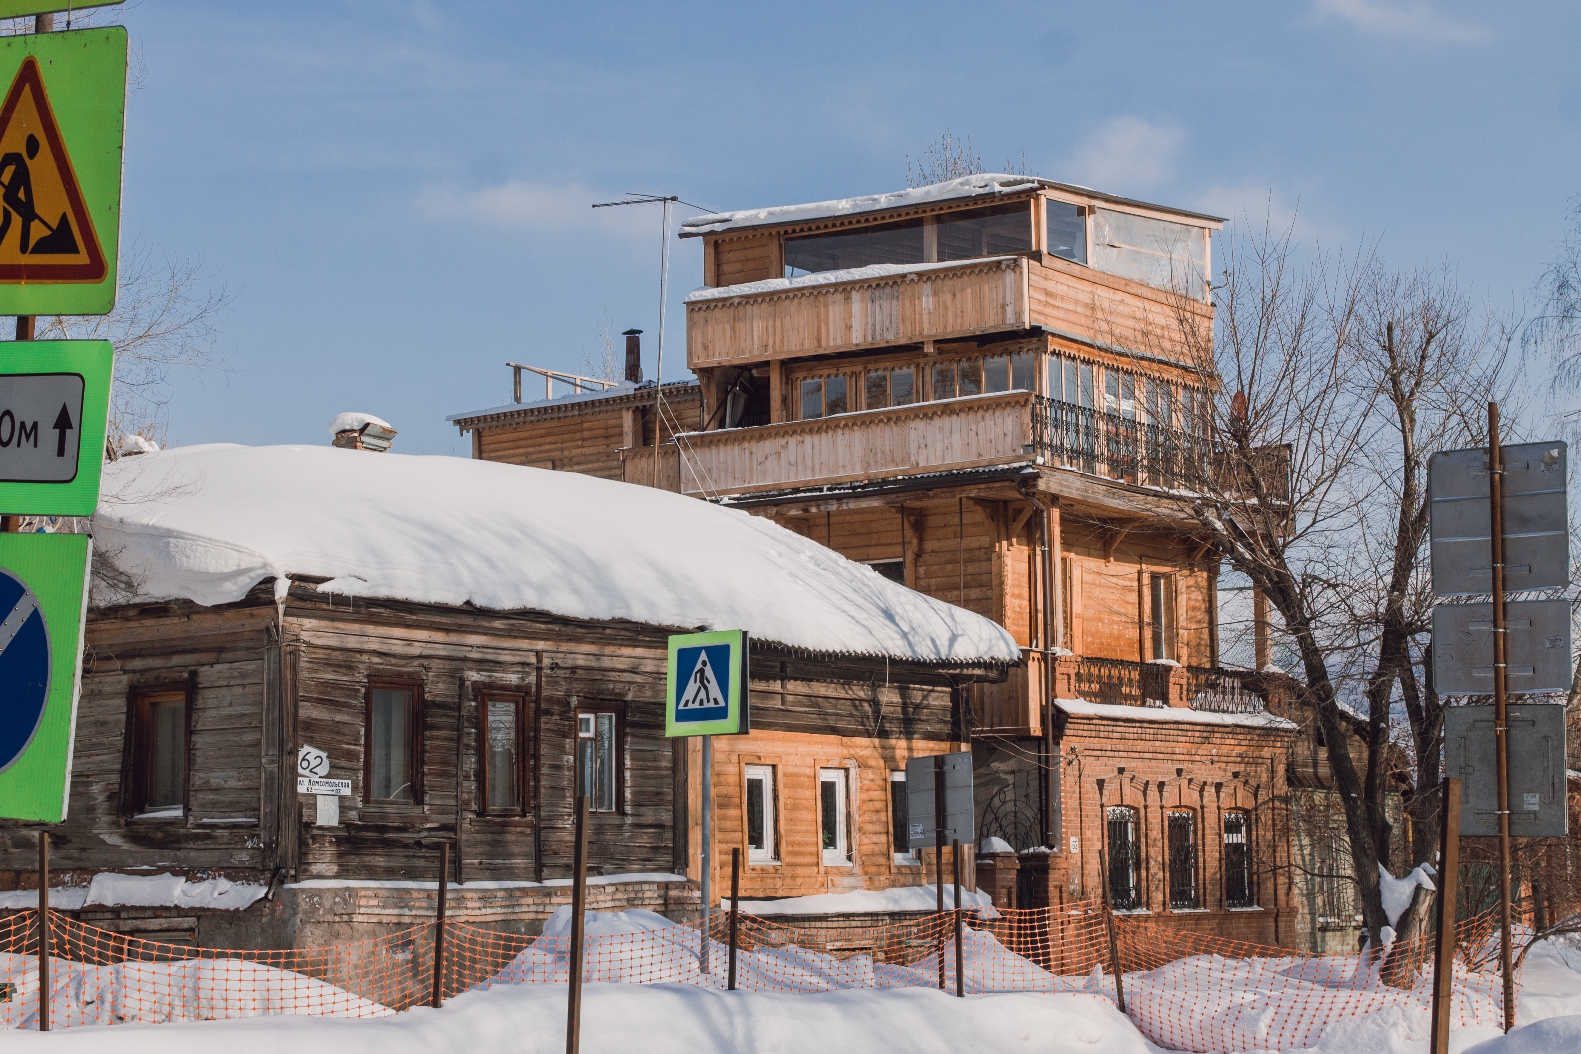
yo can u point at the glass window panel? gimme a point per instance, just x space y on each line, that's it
1157 252
812 399
167 763
897 809
1111 391
1088 392
756 792
586 758
391 775
876 395
1128 396
996 373
833 821
1067 230
760 812
971 371
834 400
502 735
944 380
829 806
902 388
604 792
992 231
1021 376
886 243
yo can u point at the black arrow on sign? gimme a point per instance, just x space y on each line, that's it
61 426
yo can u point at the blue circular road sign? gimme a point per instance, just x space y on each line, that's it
24 667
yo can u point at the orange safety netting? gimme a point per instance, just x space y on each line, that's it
1187 991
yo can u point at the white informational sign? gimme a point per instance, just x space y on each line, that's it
309 785
1075 844
312 762
328 814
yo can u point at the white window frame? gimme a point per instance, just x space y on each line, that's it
840 855
908 858
767 853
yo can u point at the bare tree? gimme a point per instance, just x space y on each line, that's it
602 362
949 158
1557 326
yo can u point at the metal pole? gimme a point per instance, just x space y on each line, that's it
1444 947
938 846
573 1021
437 997
1501 739
704 850
735 910
43 931
1114 941
955 863
658 364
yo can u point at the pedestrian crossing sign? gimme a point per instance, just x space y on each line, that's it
706 685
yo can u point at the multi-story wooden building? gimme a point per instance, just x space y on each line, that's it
987 390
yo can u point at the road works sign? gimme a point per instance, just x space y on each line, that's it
54 397
706 685
61 127
43 591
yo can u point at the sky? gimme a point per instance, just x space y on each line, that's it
396 197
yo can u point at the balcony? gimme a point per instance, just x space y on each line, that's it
1119 682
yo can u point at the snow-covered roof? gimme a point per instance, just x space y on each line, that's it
1253 719
817 278
356 422
982 185
208 523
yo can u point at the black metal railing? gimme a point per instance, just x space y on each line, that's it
1221 692
1120 682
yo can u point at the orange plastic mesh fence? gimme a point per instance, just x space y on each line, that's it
1184 990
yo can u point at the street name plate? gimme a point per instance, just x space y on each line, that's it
1536 769
1536 531
1536 642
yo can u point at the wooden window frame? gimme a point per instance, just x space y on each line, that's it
524 783
415 731
134 772
602 707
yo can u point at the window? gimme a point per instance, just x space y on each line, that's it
598 759
1003 373
1183 860
760 814
1162 601
833 817
889 387
898 817
1160 253
1067 230
393 765
823 397
502 769
996 230
1160 404
943 380
1125 862
156 763
894 570
1238 861
884 243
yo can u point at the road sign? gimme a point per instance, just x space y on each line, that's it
314 785
1536 643
61 127
43 590
706 685
1536 534
54 397
19 8
960 809
1536 769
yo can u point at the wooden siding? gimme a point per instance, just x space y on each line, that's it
1108 310
962 300
587 443
746 259
935 437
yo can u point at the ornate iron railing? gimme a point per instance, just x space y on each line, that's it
1120 682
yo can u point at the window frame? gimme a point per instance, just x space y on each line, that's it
135 770
768 854
523 700
1163 616
1246 858
1136 857
619 761
900 832
843 827
415 722
1191 868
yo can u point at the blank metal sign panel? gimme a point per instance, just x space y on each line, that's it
1537 647
959 807
1536 531
1536 774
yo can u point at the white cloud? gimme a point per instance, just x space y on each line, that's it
523 205
1127 155
1415 20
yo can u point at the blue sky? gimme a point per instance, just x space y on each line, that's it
397 194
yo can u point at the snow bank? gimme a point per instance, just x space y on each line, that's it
208 523
143 891
898 898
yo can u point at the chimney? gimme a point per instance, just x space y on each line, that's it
353 431
633 355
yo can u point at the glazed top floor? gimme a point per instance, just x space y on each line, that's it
987 253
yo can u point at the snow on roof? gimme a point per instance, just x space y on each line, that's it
208 523
982 185
355 422
850 274
571 398
1254 719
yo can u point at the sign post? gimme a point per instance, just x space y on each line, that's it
707 681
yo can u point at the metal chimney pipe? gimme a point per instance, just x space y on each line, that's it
633 355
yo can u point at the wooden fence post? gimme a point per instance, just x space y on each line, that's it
573 1023
735 910
1114 941
1448 894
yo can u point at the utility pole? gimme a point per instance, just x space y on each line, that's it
1501 738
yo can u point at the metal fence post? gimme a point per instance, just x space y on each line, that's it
1448 894
573 1024
43 931
955 863
735 910
438 996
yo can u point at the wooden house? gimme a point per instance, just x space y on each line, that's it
987 390
470 645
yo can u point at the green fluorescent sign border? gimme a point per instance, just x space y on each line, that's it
84 75
22 8
738 722
55 568
94 360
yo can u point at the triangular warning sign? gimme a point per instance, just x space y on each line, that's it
46 235
701 690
